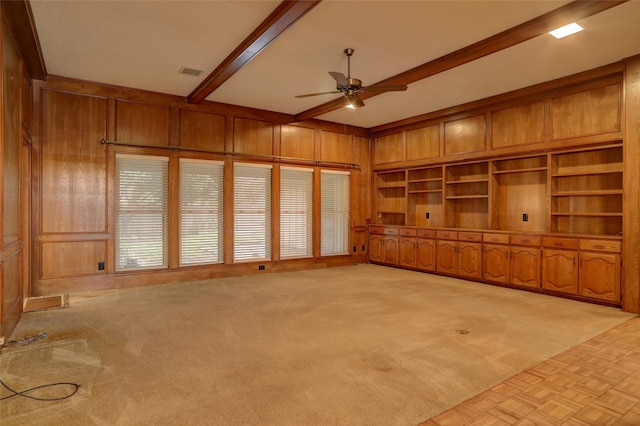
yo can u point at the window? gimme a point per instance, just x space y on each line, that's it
252 212
141 212
201 212
335 213
296 212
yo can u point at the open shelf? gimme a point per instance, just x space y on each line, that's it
586 191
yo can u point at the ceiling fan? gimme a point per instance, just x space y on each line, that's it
351 87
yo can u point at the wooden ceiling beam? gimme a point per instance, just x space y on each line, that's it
563 15
285 15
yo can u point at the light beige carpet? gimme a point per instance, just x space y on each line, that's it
357 345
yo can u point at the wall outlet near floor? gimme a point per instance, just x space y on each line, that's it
260 267
525 217
100 266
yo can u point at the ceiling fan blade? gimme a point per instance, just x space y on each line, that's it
339 78
316 94
386 88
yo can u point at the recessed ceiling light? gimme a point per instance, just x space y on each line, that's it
190 71
567 30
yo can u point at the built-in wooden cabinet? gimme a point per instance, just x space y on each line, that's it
560 265
407 248
426 249
470 255
583 267
524 266
599 270
495 258
383 247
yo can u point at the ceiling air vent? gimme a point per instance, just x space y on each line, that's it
190 71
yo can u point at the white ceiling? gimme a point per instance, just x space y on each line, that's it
143 44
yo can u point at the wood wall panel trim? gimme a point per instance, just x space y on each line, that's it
142 123
585 113
200 130
147 278
335 147
518 125
17 15
465 135
297 142
72 258
389 149
423 143
597 76
631 176
72 125
252 137
11 250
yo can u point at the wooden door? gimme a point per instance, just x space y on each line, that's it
470 259
426 254
407 252
525 266
447 257
600 276
391 250
560 271
376 248
496 263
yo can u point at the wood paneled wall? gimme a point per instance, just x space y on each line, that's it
14 181
573 111
73 175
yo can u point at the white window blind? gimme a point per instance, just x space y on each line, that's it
335 213
201 211
251 212
141 211
296 212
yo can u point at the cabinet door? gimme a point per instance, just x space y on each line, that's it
496 263
391 250
600 276
560 271
376 248
470 260
426 258
525 266
407 252
447 257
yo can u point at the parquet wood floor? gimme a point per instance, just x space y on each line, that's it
595 383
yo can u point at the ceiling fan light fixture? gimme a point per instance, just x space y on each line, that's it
353 101
567 30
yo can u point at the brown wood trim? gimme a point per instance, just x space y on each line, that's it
520 33
285 15
538 92
19 19
33 304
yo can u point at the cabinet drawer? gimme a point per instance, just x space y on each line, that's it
469 236
565 243
376 230
496 238
601 245
426 233
524 240
390 231
447 235
407 232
